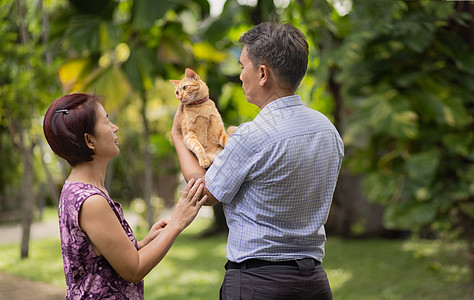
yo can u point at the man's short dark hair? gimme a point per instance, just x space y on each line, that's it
282 47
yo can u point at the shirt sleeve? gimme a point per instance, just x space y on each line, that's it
231 168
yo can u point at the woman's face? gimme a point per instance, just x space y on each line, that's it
104 139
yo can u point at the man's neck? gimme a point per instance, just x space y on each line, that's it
274 95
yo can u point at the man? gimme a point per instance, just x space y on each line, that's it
275 177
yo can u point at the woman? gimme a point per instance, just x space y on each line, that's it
102 258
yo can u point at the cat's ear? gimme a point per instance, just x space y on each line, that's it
191 74
175 82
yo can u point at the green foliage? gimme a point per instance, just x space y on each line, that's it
146 12
408 83
9 160
90 33
139 67
27 83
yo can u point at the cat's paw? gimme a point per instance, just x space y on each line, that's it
205 163
231 130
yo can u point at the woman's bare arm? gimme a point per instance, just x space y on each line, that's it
109 239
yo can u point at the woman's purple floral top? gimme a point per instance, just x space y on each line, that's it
89 276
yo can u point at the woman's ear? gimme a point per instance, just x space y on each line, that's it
88 140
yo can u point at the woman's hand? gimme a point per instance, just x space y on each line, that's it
186 210
155 230
188 205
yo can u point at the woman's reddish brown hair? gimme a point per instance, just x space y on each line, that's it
65 123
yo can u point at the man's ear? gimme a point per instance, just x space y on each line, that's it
264 74
88 140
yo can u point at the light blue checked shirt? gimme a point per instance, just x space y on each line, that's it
276 178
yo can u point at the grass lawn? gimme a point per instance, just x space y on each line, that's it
357 269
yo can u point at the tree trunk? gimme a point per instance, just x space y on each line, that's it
19 140
51 188
467 33
48 56
27 197
220 221
21 22
219 225
469 229
335 89
166 182
27 183
351 213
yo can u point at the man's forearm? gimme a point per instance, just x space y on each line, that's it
190 165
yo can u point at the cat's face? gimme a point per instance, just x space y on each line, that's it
191 88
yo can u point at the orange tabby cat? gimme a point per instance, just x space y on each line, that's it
201 124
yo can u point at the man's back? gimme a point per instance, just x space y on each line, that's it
286 161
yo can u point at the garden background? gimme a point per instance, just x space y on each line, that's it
395 77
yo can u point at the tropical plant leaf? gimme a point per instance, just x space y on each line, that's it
108 37
147 12
380 188
174 51
409 215
422 167
205 51
218 28
91 33
74 72
112 83
465 61
415 33
467 208
389 113
141 67
460 143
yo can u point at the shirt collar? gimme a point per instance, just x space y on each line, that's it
288 101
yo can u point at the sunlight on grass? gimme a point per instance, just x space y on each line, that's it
199 277
357 269
8 254
44 264
440 257
186 253
338 277
193 269
396 269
